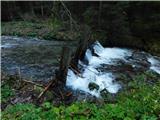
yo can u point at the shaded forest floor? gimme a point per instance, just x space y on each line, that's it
48 30
40 29
140 100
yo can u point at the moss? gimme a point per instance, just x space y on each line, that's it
6 93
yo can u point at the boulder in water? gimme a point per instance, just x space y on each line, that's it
93 86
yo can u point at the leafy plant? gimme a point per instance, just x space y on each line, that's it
140 102
6 93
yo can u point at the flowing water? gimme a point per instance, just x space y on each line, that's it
101 68
35 59
104 64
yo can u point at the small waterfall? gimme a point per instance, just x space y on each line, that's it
98 48
92 72
88 55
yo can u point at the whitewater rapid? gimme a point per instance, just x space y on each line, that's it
105 80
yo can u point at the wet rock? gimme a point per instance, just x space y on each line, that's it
83 96
93 86
108 97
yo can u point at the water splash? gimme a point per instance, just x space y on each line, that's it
90 73
105 80
155 64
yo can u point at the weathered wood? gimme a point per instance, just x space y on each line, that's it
45 89
61 75
83 44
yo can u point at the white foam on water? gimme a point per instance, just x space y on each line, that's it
105 80
88 55
155 64
106 55
90 74
98 48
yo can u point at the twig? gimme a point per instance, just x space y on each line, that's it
61 93
69 94
32 83
74 67
69 15
46 88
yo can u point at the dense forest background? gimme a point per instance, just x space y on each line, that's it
125 24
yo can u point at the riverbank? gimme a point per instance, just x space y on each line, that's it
139 101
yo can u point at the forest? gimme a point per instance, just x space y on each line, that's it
80 60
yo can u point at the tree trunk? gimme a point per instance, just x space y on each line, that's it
83 44
61 75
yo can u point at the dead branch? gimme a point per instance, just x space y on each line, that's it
69 94
79 74
46 88
31 82
62 96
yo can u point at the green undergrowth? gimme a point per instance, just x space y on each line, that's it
141 101
6 93
47 29
50 29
